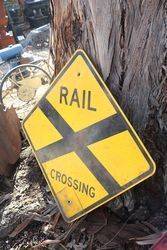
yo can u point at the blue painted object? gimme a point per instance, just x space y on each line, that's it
11 51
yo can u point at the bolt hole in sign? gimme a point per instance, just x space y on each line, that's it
88 151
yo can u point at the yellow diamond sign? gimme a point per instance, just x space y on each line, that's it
86 147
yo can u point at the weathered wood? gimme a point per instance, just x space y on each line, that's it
10 140
126 41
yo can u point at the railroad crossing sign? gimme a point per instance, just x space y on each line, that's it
86 147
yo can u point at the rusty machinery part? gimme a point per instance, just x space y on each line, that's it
5 38
37 12
17 19
23 81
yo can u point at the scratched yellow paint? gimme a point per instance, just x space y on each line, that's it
40 130
79 118
121 157
70 165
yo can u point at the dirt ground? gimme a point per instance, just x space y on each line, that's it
30 219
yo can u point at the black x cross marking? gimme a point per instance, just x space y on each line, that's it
78 141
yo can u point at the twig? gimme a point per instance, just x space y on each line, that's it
150 226
56 219
5 197
62 246
72 228
125 223
91 242
61 239
45 243
21 226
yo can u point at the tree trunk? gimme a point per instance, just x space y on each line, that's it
125 40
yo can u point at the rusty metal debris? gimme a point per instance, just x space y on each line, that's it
10 140
5 38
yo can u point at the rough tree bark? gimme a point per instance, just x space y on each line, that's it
126 41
